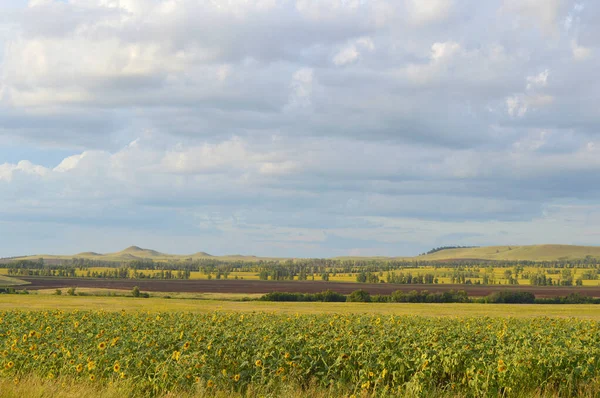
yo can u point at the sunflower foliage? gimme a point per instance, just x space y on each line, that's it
360 354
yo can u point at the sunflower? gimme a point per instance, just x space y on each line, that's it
176 355
92 377
210 384
102 345
79 368
258 363
9 365
116 367
186 345
501 366
236 377
91 365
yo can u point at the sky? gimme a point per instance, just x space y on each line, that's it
297 127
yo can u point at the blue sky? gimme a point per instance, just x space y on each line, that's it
297 127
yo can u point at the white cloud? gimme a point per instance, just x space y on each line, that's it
518 105
543 12
346 55
352 52
8 171
580 53
301 88
440 51
323 113
539 80
429 11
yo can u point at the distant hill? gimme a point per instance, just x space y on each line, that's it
136 251
133 253
201 254
531 253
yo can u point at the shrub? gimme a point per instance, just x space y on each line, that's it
511 297
359 296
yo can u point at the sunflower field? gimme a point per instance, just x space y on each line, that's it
358 354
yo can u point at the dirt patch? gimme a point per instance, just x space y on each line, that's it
245 286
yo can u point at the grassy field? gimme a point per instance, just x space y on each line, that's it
530 253
33 302
7 281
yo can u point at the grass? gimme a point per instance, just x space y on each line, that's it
33 302
7 281
90 291
36 387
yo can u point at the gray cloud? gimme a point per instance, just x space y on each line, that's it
298 127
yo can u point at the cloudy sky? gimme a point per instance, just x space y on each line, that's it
298 127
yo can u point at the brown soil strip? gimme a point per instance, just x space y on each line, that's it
246 286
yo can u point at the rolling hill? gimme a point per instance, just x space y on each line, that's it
529 253
133 253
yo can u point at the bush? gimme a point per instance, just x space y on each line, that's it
424 296
330 296
135 292
511 297
71 291
359 296
58 292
